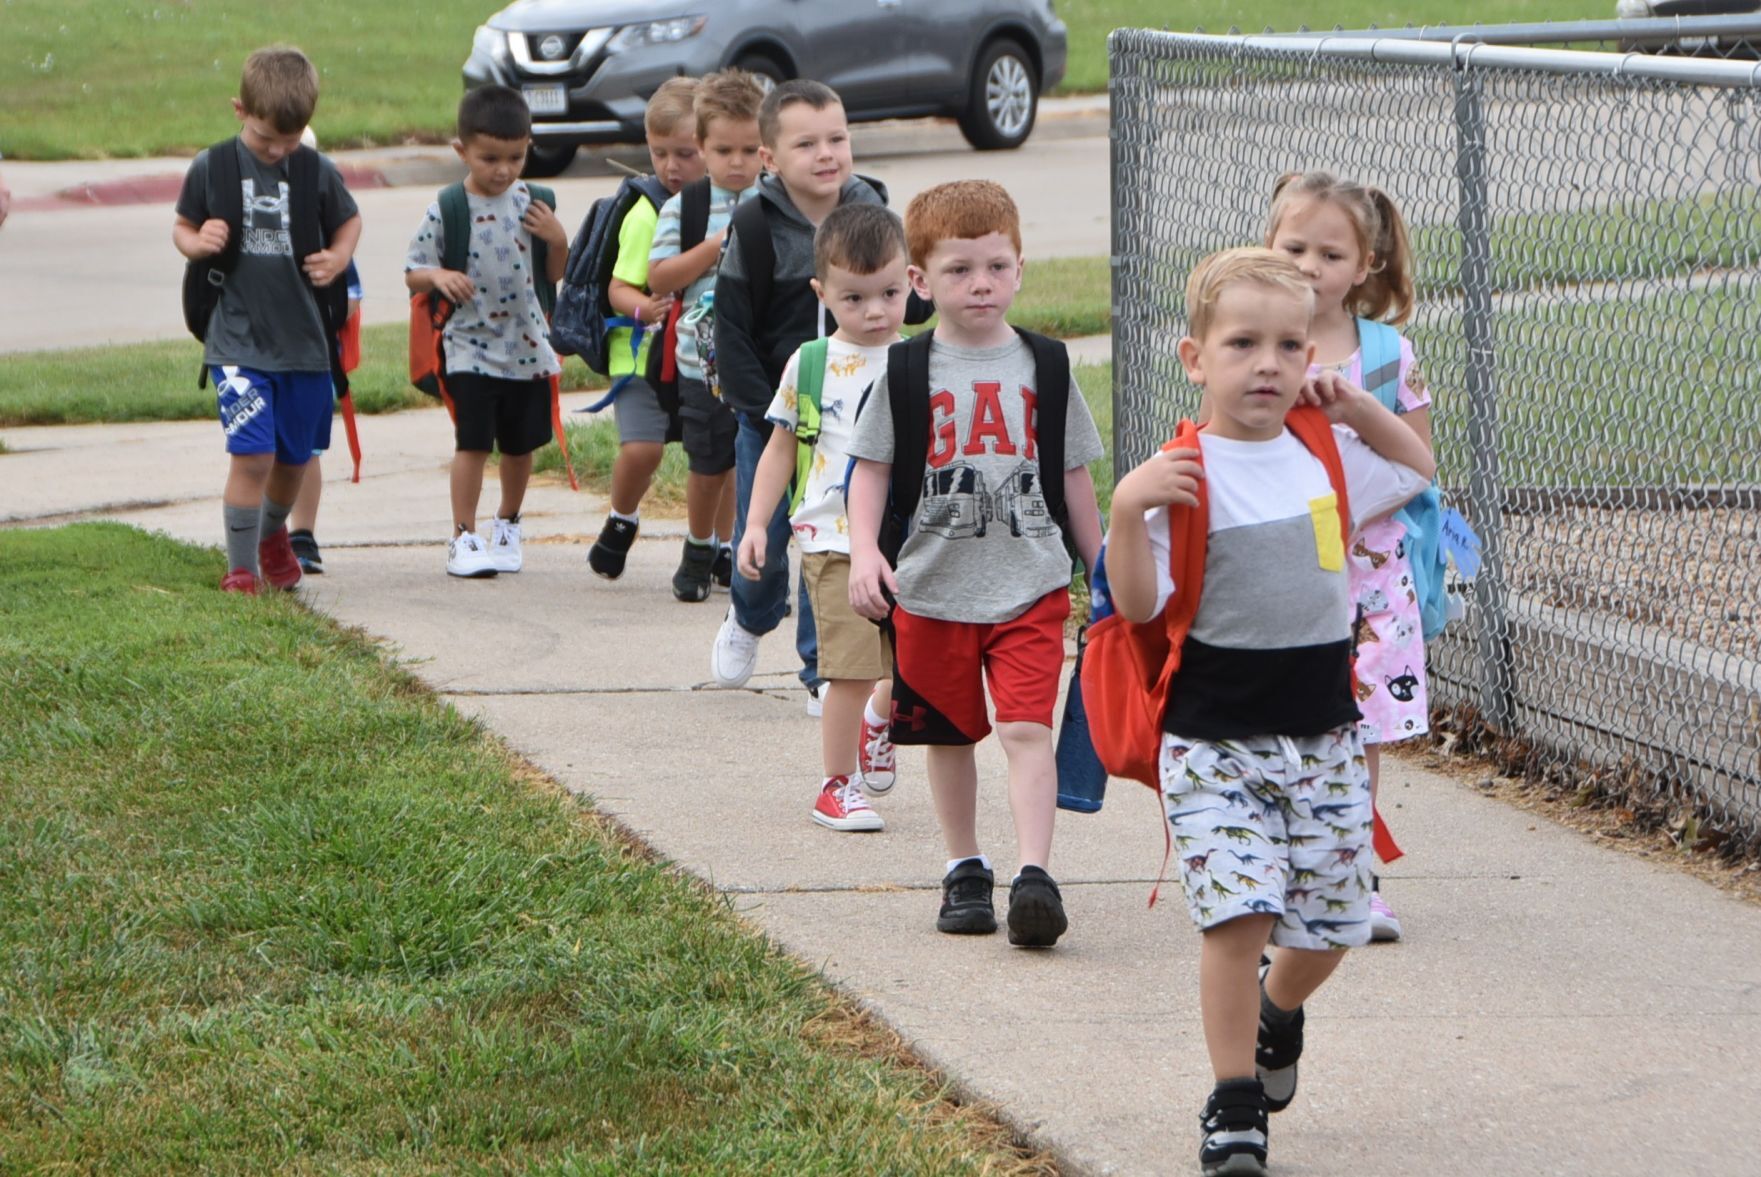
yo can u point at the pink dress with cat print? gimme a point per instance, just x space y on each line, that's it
1391 688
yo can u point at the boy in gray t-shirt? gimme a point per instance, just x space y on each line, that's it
983 578
266 345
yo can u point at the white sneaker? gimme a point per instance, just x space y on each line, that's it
816 701
735 655
504 545
466 556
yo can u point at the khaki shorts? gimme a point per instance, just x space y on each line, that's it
850 645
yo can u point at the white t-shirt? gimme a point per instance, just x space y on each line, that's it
820 522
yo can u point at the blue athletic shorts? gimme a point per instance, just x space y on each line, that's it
284 413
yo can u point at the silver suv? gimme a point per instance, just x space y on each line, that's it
587 67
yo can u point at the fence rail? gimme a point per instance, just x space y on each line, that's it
1587 232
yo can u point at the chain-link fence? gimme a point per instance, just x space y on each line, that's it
1587 230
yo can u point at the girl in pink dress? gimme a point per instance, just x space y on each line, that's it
1352 244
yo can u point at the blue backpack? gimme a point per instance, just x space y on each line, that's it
1423 516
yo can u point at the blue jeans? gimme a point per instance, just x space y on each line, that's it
758 604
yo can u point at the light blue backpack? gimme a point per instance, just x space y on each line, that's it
1423 516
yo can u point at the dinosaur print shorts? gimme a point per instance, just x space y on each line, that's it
1274 825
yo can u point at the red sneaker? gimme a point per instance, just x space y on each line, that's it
239 580
281 568
875 757
841 806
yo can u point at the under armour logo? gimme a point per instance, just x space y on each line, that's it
916 719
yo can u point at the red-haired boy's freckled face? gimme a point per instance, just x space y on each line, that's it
676 158
1252 360
1321 238
972 280
812 151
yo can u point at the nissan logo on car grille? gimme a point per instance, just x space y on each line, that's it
551 48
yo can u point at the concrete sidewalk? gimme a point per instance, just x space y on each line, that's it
1556 1008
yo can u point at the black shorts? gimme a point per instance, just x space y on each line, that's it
709 428
491 413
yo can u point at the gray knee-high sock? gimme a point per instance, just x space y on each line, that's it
274 515
242 534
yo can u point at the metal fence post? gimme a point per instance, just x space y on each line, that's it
1484 501
1124 393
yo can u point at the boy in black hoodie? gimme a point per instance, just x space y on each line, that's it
765 308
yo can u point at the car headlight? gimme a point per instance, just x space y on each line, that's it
491 43
656 32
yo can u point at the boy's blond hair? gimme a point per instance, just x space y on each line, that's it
672 104
1236 267
280 86
731 94
960 210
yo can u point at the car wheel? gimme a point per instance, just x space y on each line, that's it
548 159
1000 109
764 69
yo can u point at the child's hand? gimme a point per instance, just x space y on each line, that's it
211 237
541 222
1169 477
323 267
1333 394
655 309
870 582
455 285
754 547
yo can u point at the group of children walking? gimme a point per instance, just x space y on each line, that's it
938 491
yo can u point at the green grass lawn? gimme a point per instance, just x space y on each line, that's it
95 78
1065 297
266 904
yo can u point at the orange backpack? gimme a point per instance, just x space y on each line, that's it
1128 667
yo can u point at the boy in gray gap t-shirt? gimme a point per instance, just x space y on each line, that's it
983 578
266 348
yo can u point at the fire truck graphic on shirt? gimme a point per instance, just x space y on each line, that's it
958 501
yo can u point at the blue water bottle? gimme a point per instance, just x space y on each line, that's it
1082 782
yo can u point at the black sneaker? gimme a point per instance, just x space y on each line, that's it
608 553
1234 1123
721 573
305 550
1036 910
1276 1053
966 900
691 581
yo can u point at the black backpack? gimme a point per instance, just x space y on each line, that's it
908 395
204 278
585 318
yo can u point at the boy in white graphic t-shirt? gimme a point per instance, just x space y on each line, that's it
859 257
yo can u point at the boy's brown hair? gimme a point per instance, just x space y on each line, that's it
671 105
1219 271
818 95
860 238
730 94
960 210
280 86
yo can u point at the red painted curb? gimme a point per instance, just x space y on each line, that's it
156 189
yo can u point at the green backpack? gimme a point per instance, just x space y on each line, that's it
809 388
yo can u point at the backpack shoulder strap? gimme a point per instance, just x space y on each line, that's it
541 283
1315 432
809 388
1379 353
455 227
1051 362
694 214
226 199
652 188
908 398
758 253
1188 538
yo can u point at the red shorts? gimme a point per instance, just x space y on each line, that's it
940 670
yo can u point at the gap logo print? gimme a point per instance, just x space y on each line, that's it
268 225
965 488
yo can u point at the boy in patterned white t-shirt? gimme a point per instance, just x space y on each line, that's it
859 257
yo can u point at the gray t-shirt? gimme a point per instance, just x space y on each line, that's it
266 318
501 332
983 548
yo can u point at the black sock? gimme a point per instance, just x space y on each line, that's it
1272 1015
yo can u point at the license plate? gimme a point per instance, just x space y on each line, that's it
547 99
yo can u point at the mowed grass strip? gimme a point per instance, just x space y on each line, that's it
1065 297
264 903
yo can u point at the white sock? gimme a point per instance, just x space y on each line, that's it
868 714
635 518
700 543
983 859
